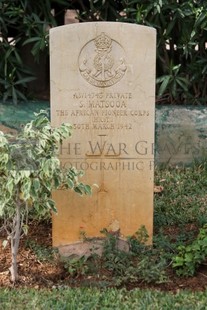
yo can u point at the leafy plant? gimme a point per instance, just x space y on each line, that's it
22 22
146 270
173 84
14 75
77 266
141 263
29 171
189 257
138 241
113 258
181 40
181 51
42 253
124 267
98 10
182 202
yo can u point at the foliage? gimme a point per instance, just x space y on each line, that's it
181 40
189 257
181 46
29 171
122 267
180 209
182 201
82 298
98 10
43 254
14 75
77 266
22 22
113 259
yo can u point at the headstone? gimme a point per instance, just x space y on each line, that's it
181 135
103 83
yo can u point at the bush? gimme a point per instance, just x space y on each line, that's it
190 257
181 40
29 171
22 22
181 46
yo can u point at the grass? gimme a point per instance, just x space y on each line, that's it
77 299
180 211
184 197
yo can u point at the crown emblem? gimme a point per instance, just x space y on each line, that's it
98 64
102 41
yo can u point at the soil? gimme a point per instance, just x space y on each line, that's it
39 273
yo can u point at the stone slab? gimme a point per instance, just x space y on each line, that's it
87 248
181 135
16 116
103 82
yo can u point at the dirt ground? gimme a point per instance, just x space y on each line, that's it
36 273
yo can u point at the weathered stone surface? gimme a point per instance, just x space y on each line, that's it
15 116
8 130
81 249
87 248
181 134
103 82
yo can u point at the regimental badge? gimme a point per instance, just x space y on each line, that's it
102 61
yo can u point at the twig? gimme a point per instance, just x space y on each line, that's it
203 274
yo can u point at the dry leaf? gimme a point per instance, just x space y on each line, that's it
158 189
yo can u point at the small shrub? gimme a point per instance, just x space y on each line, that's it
29 171
141 263
191 256
43 253
77 266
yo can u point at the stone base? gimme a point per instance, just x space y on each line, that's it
89 247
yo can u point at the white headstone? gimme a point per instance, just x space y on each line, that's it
103 83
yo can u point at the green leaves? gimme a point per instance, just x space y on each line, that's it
10 185
181 41
81 189
191 256
164 80
173 83
29 171
27 22
36 184
181 38
30 168
51 205
38 33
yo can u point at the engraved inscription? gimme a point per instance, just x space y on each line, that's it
97 63
103 111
